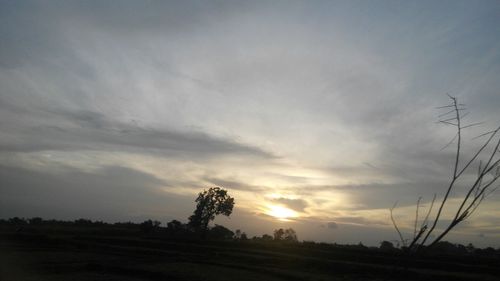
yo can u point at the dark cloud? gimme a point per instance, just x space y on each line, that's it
111 193
332 225
232 184
87 130
32 32
417 164
26 35
359 221
384 195
298 205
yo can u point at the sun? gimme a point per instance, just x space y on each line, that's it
281 212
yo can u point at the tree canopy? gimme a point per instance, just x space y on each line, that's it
210 203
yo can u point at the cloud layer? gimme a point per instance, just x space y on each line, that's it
327 108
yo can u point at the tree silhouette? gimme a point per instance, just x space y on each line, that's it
210 203
176 228
149 226
288 235
482 185
386 246
219 232
278 234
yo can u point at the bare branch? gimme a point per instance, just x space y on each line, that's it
472 125
447 123
480 150
485 134
450 119
445 106
448 144
455 170
476 187
493 153
416 217
479 196
429 211
444 114
403 242
477 192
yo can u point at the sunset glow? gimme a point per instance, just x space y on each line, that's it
281 212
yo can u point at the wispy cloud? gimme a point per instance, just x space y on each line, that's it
332 104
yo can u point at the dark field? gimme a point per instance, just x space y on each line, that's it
113 253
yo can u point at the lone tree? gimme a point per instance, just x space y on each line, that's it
482 184
210 203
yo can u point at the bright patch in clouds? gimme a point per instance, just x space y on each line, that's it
281 213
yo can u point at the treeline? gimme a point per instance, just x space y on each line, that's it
183 231
445 247
173 229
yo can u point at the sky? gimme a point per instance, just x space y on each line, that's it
321 112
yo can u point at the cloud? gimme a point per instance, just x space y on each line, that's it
231 184
332 225
111 193
298 205
214 91
357 220
87 130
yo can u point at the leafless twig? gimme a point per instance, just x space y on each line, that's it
483 186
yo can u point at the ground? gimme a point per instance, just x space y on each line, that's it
79 254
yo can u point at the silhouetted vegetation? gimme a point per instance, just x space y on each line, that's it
83 248
481 186
150 226
287 235
177 251
210 203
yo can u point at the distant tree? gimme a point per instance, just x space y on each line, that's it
83 222
386 246
278 234
462 249
267 237
17 221
177 229
478 187
174 225
489 251
470 248
35 221
219 232
290 235
445 247
237 234
149 226
360 245
243 236
210 203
